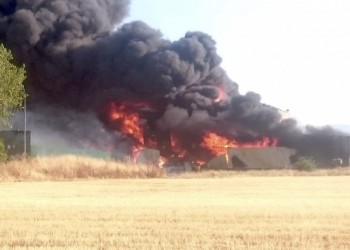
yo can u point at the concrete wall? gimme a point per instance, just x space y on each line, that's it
219 162
260 158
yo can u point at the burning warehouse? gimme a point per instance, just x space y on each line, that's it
95 83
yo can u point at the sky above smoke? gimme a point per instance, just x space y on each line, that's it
294 53
80 58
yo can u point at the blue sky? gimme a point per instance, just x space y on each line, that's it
294 53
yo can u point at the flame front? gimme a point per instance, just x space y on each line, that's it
218 144
126 119
129 121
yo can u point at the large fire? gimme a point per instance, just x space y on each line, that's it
218 144
129 123
127 120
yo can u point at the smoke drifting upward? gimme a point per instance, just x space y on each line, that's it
77 62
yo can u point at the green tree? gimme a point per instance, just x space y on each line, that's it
12 91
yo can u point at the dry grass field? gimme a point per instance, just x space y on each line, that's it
69 167
240 212
72 167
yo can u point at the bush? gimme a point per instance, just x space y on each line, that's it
3 152
305 164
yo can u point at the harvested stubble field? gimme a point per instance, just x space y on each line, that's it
239 212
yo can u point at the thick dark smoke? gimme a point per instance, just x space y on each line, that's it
77 61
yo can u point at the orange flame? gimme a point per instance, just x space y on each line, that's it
218 144
162 161
130 121
176 146
222 95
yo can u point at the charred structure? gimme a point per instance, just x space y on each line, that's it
80 59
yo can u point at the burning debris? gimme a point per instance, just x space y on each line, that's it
144 90
217 144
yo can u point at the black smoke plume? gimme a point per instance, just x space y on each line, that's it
80 58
